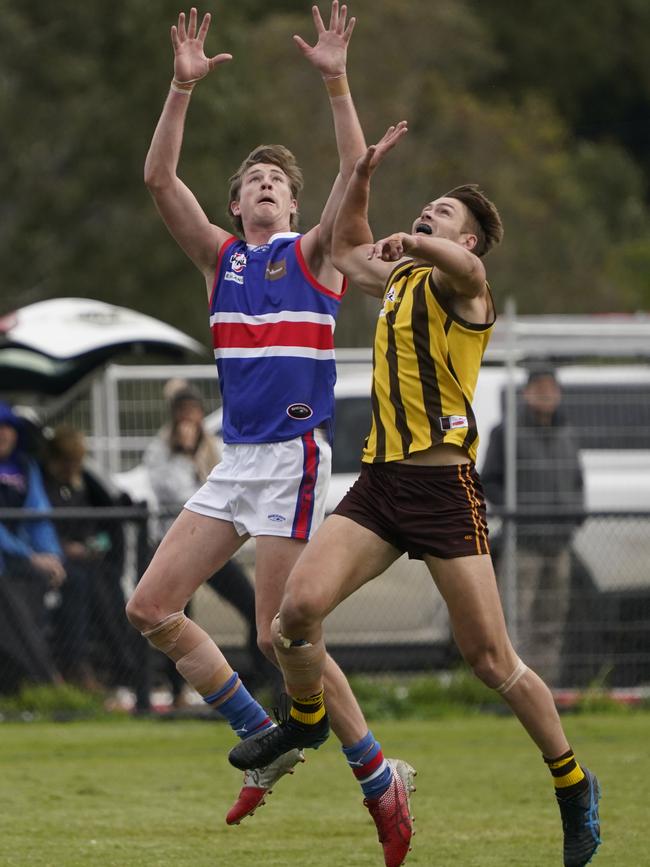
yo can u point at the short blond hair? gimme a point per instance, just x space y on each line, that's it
276 155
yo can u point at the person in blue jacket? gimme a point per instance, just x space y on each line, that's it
30 561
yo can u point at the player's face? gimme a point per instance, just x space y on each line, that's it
443 218
265 197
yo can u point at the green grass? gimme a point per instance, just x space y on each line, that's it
152 793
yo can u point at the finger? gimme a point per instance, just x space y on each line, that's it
334 15
191 30
205 26
302 45
218 59
175 40
182 34
318 21
343 14
349 29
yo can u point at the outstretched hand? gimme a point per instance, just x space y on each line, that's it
190 61
367 164
329 55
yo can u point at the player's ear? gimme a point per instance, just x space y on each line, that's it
234 208
468 240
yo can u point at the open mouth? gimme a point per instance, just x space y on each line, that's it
266 201
424 228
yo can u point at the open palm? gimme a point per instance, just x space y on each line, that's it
329 55
190 60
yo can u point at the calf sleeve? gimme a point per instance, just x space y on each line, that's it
302 663
197 657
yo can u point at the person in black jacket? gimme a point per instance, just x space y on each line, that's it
550 497
91 639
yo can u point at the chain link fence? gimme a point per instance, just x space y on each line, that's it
588 621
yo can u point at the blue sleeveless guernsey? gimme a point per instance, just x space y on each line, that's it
272 329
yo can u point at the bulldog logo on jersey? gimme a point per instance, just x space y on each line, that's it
238 262
299 411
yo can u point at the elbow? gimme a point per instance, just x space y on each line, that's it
156 179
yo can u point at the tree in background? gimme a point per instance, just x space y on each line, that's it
81 87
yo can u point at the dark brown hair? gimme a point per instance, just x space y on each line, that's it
484 222
276 155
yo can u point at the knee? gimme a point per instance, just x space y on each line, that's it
488 664
141 614
301 611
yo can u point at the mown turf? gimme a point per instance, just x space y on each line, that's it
154 793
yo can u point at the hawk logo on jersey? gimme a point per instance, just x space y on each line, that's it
299 411
238 262
390 297
276 270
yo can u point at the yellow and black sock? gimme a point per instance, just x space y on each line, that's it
308 711
568 777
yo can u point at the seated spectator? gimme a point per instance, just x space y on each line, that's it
179 460
91 639
30 563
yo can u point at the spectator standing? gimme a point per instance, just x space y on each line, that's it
550 494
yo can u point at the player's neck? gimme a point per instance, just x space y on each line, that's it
258 235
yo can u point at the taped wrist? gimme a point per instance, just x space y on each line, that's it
337 85
301 663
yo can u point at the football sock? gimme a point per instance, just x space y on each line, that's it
568 777
308 711
369 766
245 715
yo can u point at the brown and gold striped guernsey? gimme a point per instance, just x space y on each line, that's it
426 362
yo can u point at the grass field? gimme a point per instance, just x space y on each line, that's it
154 793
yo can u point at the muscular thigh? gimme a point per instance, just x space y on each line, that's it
469 588
275 557
194 549
340 558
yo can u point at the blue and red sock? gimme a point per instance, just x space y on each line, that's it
246 716
369 766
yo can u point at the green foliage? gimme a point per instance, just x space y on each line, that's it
51 702
422 696
488 94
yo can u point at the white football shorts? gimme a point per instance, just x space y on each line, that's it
269 489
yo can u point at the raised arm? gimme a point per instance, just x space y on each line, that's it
177 205
329 57
352 241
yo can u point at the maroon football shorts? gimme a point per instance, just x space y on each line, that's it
421 509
